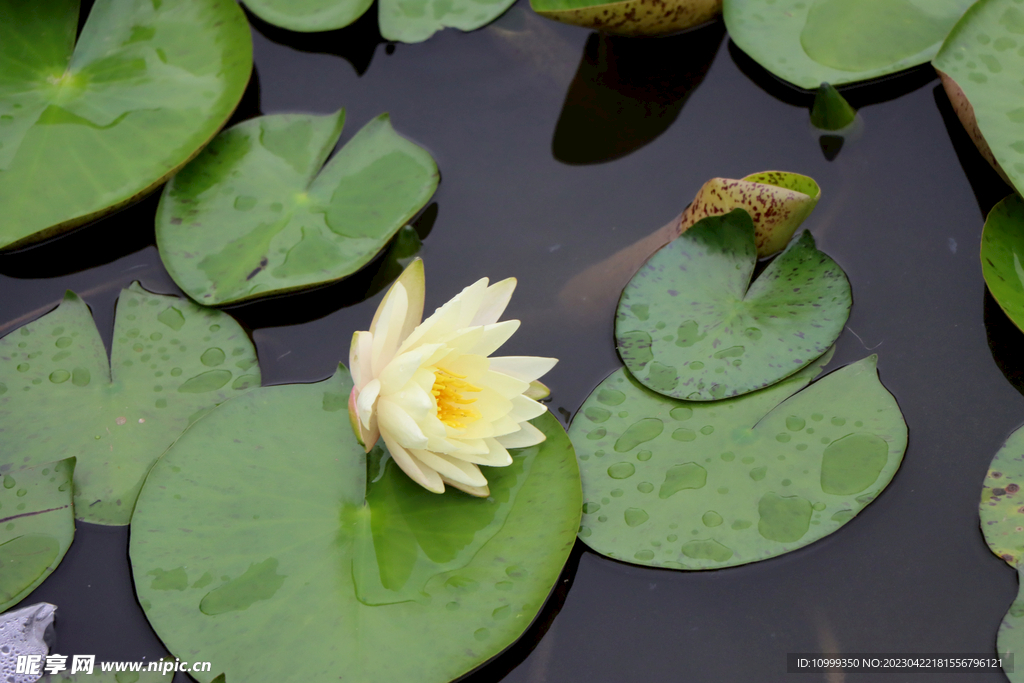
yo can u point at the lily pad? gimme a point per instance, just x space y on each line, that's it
37 525
983 58
255 214
1010 640
1002 256
687 485
1002 501
777 201
260 532
86 128
688 325
809 42
630 17
408 21
59 397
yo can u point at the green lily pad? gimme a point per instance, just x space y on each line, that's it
1002 501
1010 640
688 326
809 42
262 514
37 525
59 397
983 57
408 21
255 214
87 128
1002 256
688 485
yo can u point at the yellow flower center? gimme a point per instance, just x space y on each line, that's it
449 391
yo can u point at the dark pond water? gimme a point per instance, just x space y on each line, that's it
557 149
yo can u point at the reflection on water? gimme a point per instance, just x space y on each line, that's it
415 535
628 91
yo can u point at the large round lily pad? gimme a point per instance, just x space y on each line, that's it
408 21
86 128
1002 256
689 326
809 42
59 397
688 485
255 214
261 544
37 525
983 57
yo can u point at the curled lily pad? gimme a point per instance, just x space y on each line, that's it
630 17
1002 501
691 325
831 111
60 397
86 128
809 42
980 64
687 485
37 525
409 21
1002 256
263 515
255 213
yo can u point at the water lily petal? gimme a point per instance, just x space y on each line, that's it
396 423
525 437
494 336
402 367
470 299
359 358
494 303
365 400
526 368
451 469
478 491
387 336
526 409
417 471
414 283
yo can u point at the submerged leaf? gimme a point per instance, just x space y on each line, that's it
263 514
87 128
37 525
690 324
980 64
809 42
59 397
686 485
630 17
255 214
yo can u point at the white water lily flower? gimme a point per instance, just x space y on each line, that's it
430 390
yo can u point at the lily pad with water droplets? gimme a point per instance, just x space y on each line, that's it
983 58
86 128
255 214
809 42
1002 256
408 21
689 326
261 532
60 397
689 485
37 525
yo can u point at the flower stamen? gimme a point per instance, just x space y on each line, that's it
449 392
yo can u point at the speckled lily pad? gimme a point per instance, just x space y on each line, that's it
60 397
255 214
630 17
984 57
1002 256
87 126
688 485
1010 639
809 42
37 525
688 325
1002 501
263 515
